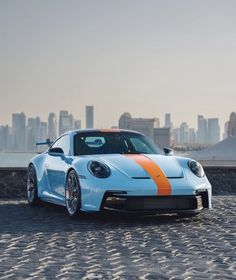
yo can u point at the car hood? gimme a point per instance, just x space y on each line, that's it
129 167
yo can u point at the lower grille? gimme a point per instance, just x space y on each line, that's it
118 202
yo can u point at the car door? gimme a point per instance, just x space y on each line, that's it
57 164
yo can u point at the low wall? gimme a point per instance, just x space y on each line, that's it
13 180
222 179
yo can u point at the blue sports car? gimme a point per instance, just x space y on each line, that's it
118 170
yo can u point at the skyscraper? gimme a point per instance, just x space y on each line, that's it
175 133
225 133
231 129
89 116
183 133
52 127
162 137
43 131
213 132
66 122
32 133
77 124
5 138
191 136
202 130
19 131
168 123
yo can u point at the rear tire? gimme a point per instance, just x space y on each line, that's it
73 194
32 186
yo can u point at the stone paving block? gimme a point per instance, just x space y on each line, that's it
44 243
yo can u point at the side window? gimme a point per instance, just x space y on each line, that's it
64 144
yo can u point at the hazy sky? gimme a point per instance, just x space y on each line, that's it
146 57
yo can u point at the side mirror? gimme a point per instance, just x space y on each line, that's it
55 152
168 151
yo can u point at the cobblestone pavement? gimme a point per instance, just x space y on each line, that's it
44 243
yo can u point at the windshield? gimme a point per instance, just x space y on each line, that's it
91 143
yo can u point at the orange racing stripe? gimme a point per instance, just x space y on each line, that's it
158 176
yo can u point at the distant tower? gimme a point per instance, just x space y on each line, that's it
66 122
213 135
225 130
125 121
231 129
33 129
52 127
176 135
183 133
77 124
43 131
202 130
5 138
191 136
19 131
89 116
168 123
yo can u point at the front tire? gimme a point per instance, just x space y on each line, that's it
73 194
32 186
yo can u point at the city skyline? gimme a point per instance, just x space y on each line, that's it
25 131
143 57
161 118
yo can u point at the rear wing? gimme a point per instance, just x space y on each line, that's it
47 142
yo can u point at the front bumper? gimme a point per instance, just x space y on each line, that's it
121 202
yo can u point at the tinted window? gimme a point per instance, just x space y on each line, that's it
94 141
63 143
140 145
88 143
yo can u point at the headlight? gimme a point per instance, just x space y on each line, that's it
98 169
196 168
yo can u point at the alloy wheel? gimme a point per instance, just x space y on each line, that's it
72 194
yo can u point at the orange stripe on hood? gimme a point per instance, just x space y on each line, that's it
155 172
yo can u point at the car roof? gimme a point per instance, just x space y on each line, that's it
89 130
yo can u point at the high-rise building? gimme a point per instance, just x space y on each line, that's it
168 123
213 132
224 136
77 124
66 122
183 133
1 139
33 133
231 130
202 130
19 131
191 136
5 138
162 137
144 126
43 131
89 116
52 127
175 135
